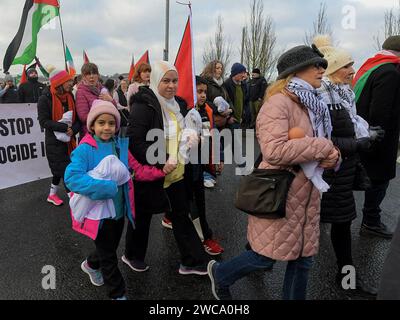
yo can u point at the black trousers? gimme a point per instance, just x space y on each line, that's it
56 181
137 240
341 241
105 256
197 204
373 199
189 244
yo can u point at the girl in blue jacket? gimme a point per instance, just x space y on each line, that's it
103 123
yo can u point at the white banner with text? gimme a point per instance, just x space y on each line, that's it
22 148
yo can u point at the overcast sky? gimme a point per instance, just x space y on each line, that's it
110 31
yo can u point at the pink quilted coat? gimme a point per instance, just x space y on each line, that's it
296 235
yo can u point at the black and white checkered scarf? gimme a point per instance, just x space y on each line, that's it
318 110
341 96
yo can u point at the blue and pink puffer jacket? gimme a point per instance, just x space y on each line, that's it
85 158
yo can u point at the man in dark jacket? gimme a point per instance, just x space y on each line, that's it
30 91
237 92
257 88
10 92
379 104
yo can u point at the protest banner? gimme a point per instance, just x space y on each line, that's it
22 148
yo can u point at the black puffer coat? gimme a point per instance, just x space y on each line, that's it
11 96
214 90
30 91
56 151
146 114
257 88
338 205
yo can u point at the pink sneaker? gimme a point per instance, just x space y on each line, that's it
54 199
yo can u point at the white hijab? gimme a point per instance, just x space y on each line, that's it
159 69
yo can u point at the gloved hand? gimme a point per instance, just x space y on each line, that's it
376 133
363 144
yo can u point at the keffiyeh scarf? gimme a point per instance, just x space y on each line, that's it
317 109
343 96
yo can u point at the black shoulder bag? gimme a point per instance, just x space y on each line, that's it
264 192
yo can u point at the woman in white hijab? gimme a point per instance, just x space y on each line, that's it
156 108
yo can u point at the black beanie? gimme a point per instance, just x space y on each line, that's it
237 68
256 70
298 59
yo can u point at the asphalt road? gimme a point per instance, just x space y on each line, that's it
34 234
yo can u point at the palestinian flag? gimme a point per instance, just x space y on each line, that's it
85 57
143 59
43 70
184 63
23 78
70 61
363 74
36 14
132 69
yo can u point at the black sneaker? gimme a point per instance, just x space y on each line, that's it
218 292
135 265
379 230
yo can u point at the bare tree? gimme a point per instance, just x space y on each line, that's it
321 25
219 47
260 41
392 26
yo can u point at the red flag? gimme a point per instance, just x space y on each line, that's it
184 63
85 58
53 3
23 76
143 59
132 70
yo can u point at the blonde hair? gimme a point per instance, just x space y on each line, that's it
334 79
277 87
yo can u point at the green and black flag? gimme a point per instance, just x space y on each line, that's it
36 14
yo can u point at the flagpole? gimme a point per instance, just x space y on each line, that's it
62 36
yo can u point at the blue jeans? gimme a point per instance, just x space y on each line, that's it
296 276
236 142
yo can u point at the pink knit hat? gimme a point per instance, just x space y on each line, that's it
100 107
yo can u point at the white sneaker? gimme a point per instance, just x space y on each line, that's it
96 277
209 184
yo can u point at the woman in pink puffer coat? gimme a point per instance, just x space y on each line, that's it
291 102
